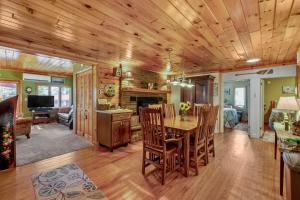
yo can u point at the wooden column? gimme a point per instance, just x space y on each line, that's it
298 72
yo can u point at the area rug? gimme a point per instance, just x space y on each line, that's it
46 141
63 183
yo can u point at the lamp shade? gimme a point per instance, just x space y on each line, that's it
287 103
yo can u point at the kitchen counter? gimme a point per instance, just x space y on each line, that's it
114 111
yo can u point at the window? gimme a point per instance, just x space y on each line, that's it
65 96
240 97
62 95
43 90
7 90
55 92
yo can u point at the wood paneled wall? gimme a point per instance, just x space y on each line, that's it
298 72
104 76
140 76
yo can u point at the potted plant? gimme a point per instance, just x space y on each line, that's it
184 108
5 148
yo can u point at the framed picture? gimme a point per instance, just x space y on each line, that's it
227 91
288 89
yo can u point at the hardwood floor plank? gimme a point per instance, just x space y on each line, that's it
242 169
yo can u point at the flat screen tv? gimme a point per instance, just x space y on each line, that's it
36 101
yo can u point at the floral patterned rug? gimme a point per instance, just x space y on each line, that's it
63 183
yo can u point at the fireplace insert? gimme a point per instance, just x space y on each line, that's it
145 101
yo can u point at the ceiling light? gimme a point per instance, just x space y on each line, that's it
190 84
253 60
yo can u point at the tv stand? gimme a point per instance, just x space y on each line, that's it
40 117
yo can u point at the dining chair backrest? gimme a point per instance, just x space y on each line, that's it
152 127
213 118
201 122
169 110
155 106
198 106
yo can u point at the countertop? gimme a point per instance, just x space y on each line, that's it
114 111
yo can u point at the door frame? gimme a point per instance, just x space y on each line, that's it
19 92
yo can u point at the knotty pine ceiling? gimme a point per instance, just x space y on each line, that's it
205 35
13 59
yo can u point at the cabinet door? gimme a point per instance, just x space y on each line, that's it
187 94
126 131
201 90
116 133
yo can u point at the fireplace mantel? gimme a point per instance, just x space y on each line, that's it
142 90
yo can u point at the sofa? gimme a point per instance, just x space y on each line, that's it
65 116
23 126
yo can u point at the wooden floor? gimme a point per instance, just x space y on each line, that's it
242 169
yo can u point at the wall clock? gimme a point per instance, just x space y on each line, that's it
28 90
109 90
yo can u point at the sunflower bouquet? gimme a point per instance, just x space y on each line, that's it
184 108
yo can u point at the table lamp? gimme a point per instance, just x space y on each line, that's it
287 105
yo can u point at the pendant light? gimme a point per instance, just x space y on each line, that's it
179 80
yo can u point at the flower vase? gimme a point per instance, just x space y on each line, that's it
182 116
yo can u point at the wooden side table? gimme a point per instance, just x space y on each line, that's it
40 117
281 135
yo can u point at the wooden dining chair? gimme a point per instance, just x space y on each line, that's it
198 146
158 151
169 110
198 106
212 118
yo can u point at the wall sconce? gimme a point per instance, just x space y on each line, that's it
128 76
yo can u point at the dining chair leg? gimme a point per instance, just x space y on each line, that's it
196 161
144 158
164 171
206 152
214 152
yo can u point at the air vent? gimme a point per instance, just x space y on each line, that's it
36 77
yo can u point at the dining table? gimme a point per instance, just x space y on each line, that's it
281 135
186 127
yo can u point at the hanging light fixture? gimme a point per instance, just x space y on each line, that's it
178 80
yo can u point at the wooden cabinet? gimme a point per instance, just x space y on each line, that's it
84 104
113 128
202 92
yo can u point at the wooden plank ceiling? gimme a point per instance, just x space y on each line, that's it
13 59
205 35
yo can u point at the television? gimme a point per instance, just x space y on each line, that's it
36 101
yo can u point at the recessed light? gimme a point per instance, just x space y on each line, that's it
253 60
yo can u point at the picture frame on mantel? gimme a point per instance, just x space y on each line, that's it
117 71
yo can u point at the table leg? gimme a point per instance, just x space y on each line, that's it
275 146
186 153
281 174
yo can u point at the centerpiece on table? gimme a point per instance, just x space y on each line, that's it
184 108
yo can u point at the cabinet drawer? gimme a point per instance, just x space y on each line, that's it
121 116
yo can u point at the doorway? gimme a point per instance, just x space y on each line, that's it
236 105
273 89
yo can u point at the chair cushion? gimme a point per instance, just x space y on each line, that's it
63 115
